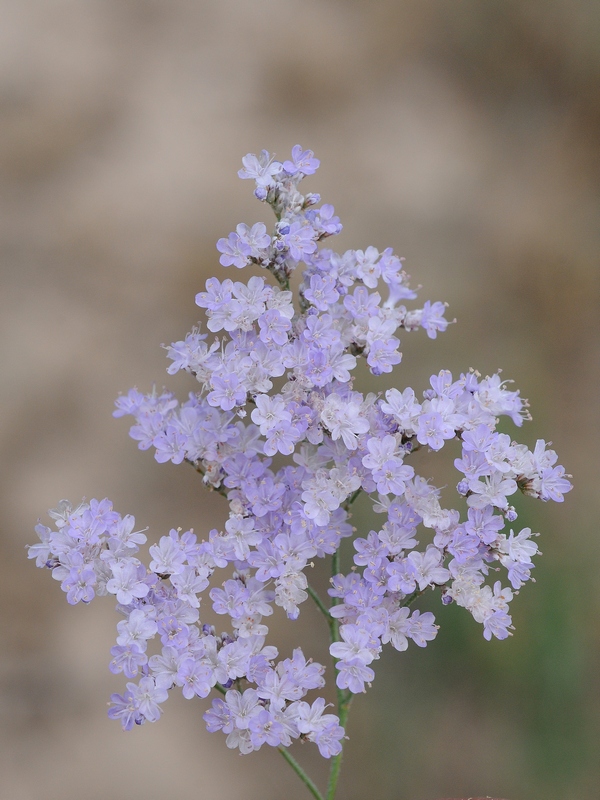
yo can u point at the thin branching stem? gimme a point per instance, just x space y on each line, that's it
320 605
349 500
301 773
412 597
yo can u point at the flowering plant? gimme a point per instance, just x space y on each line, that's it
339 443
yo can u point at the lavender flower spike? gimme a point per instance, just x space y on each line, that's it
289 463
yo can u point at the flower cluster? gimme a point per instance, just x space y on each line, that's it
339 443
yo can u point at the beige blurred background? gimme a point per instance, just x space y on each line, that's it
463 134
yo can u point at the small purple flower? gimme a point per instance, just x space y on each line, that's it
519 572
167 556
274 327
403 577
260 168
354 645
303 161
554 484
196 679
230 599
300 240
432 318
497 624
282 439
383 355
147 696
392 477
255 238
127 581
219 717
322 292
265 729
79 585
463 545
324 220
173 632
125 708
235 251
422 628
353 675
482 522
138 628
127 659
433 430
329 739
216 296
170 446
227 391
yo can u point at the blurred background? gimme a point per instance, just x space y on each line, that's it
465 136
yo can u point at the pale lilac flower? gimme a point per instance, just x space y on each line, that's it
427 567
125 708
127 659
553 484
300 240
397 629
432 318
197 679
343 419
219 717
302 161
329 739
79 585
227 392
353 646
274 327
127 581
321 292
353 675
167 556
422 628
188 585
234 251
497 624
147 696
492 491
269 412
265 728
260 168
138 628
433 430
255 238
310 718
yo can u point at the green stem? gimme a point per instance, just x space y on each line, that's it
344 697
412 597
334 628
336 761
349 500
300 773
321 606
335 570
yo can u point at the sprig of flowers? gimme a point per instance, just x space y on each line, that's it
339 443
